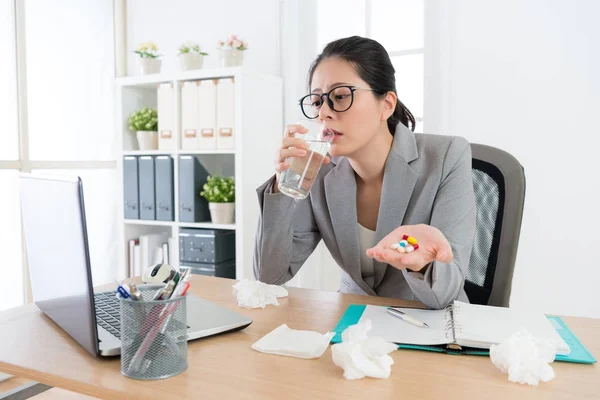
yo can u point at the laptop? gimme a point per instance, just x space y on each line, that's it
56 238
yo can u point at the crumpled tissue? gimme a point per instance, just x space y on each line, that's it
256 294
525 358
360 355
294 343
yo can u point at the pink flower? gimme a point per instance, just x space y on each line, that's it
234 37
229 42
236 43
244 44
220 43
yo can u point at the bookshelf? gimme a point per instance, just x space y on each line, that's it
258 124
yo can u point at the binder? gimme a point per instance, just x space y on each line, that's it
578 353
192 176
207 114
166 120
130 188
164 188
226 114
146 179
189 116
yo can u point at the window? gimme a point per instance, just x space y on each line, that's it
68 70
397 24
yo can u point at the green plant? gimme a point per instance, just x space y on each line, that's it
219 189
191 47
147 50
144 119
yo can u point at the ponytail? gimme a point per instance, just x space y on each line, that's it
401 115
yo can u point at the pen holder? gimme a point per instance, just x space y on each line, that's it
153 336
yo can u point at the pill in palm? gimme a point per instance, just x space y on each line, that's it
408 244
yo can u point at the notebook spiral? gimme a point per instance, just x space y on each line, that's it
452 326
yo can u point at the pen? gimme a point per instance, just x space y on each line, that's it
406 318
123 292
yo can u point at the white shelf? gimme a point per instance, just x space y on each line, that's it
247 162
151 81
192 152
203 225
148 222
147 153
174 152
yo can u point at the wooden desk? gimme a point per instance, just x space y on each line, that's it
225 366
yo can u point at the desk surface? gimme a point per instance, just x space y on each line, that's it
225 366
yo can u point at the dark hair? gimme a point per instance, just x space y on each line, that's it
372 63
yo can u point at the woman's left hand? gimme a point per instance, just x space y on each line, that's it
433 246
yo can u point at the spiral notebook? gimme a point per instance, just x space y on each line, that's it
464 328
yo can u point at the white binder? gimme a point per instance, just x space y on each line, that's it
226 114
207 114
166 120
190 138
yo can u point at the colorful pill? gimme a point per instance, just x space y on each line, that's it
401 250
395 246
403 243
416 246
411 240
404 237
409 249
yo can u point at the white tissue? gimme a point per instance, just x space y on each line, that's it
294 343
362 356
525 358
256 294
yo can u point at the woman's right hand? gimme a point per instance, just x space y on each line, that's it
291 147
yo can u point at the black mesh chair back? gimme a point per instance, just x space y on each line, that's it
499 185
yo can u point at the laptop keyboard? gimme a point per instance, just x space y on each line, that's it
108 312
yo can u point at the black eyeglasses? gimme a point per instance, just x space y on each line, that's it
339 99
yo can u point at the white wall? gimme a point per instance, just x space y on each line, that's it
173 22
524 76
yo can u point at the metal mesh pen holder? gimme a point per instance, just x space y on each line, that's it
153 336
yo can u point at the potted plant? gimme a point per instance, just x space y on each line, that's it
232 51
145 123
148 58
190 56
220 193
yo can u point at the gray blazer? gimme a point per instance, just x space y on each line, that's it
427 179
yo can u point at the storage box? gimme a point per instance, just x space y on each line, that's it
206 245
226 269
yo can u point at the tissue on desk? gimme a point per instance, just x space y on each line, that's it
294 343
256 294
360 355
525 358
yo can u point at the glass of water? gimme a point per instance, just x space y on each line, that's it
297 180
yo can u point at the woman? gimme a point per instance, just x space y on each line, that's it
382 182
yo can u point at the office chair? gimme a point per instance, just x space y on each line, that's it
499 185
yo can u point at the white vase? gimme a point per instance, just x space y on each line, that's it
222 213
189 61
231 57
147 140
149 65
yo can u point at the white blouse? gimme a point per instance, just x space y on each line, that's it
367 239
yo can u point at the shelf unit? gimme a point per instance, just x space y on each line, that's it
257 130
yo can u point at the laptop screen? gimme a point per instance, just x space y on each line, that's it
58 255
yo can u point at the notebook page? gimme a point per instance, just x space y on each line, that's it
393 329
481 326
